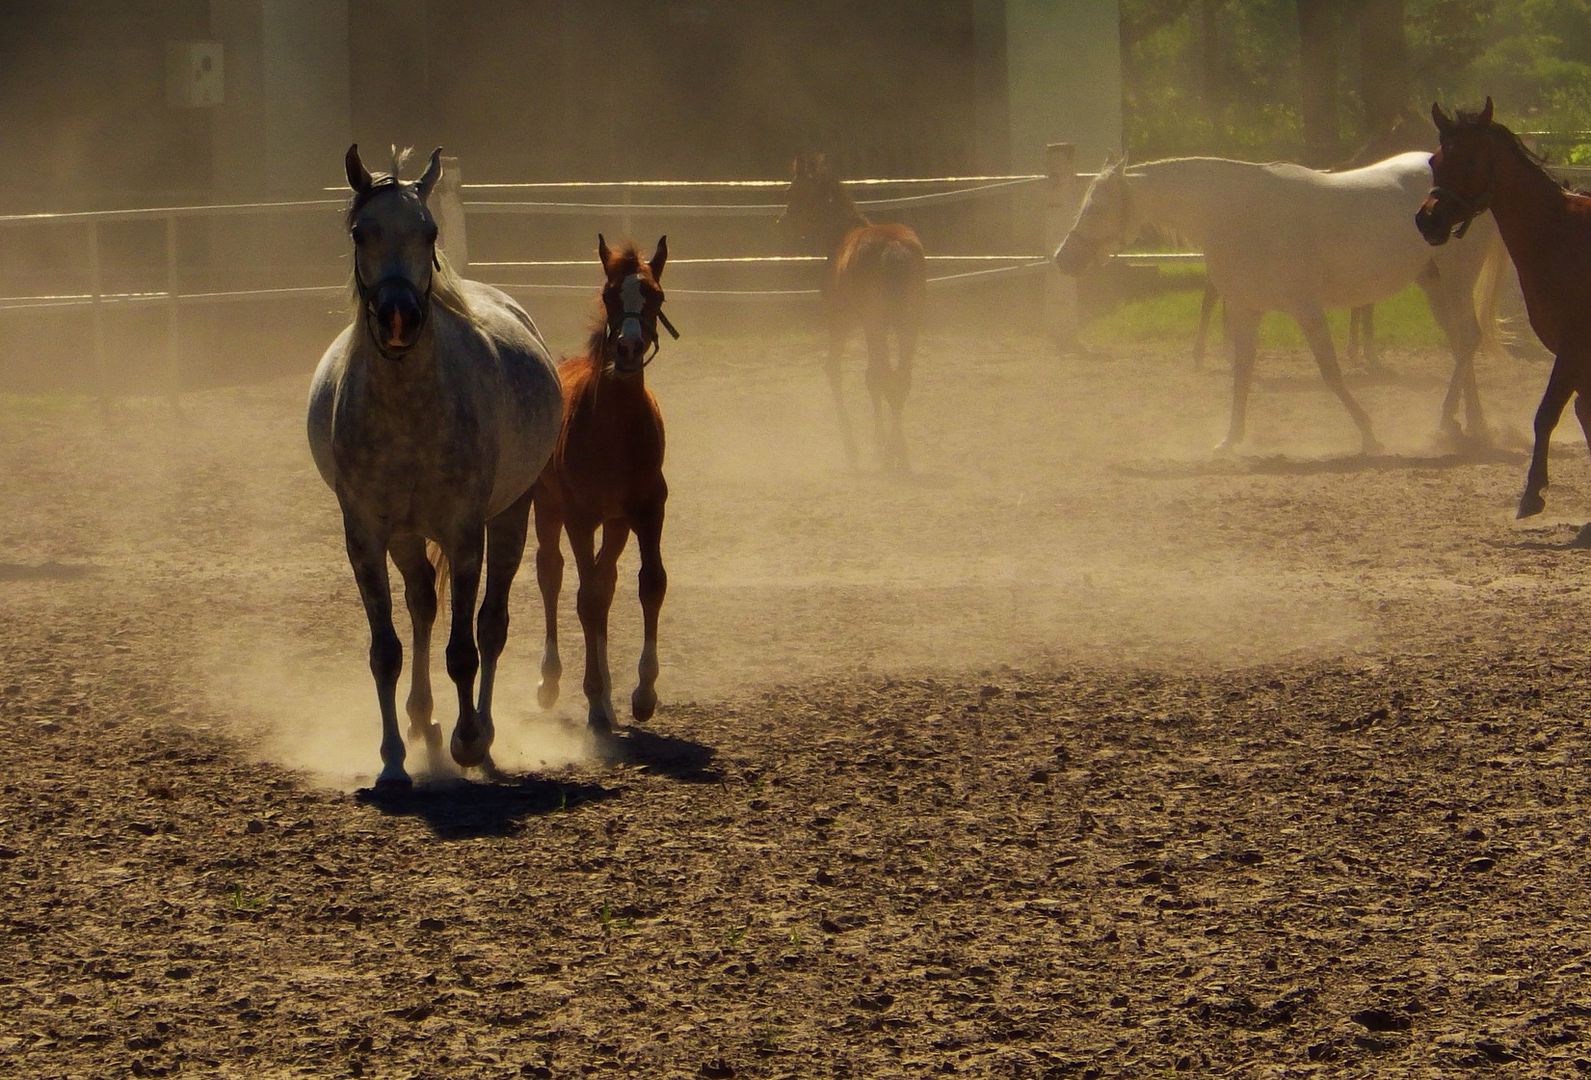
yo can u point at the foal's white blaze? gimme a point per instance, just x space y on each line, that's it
630 296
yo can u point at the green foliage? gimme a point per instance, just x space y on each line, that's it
1241 97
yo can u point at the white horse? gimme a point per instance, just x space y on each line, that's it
431 417
1283 237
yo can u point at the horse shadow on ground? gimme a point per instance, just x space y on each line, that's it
1580 541
463 809
49 570
458 809
1280 465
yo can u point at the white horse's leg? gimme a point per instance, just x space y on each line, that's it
1318 334
505 547
419 593
1206 311
549 578
367 554
1242 335
648 523
1454 311
471 741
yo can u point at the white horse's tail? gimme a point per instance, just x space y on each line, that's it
1488 287
439 563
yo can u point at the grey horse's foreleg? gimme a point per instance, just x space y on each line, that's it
1456 316
471 739
1318 334
505 547
653 581
367 554
549 578
1366 316
1560 384
1242 335
419 593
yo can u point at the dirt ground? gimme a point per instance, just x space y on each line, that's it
1077 753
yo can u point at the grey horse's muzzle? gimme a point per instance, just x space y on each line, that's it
396 312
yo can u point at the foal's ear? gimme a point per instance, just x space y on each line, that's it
358 175
433 173
1444 123
602 251
659 257
1486 113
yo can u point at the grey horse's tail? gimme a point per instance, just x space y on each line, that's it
439 563
1488 287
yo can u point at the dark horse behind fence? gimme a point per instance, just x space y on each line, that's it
430 417
876 279
1479 166
607 472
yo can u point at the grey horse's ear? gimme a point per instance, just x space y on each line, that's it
1444 123
659 257
602 251
433 173
1486 113
358 175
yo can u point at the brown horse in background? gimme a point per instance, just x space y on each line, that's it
607 471
1479 166
876 279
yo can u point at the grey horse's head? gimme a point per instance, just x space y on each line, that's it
1104 225
395 256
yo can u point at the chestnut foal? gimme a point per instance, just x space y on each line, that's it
607 470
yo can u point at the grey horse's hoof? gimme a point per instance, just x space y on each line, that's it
1530 504
393 782
468 753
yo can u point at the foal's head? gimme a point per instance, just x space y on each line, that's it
1463 170
395 257
632 305
1105 222
817 209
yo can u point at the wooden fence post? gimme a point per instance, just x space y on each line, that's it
1063 191
450 215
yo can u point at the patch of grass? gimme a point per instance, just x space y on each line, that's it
611 922
1172 318
241 902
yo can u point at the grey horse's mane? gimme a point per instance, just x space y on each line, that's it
447 288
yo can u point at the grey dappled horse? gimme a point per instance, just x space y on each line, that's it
430 417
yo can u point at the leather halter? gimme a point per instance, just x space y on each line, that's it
366 292
616 327
1469 208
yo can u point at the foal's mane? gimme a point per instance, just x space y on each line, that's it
447 288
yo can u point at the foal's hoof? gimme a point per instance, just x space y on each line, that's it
547 692
1225 448
643 703
1370 447
468 753
1530 504
393 781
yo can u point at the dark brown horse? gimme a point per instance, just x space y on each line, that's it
876 279
607 472
1482 166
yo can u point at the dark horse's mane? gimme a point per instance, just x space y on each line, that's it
1472 119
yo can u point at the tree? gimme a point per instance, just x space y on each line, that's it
1318 60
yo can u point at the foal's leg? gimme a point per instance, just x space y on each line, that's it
1318 334
648 522
1242 334
878 380
419 592
549 576
367 554
598 576
1206 310
900 385
505 547
831 368
1560 384
470 741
